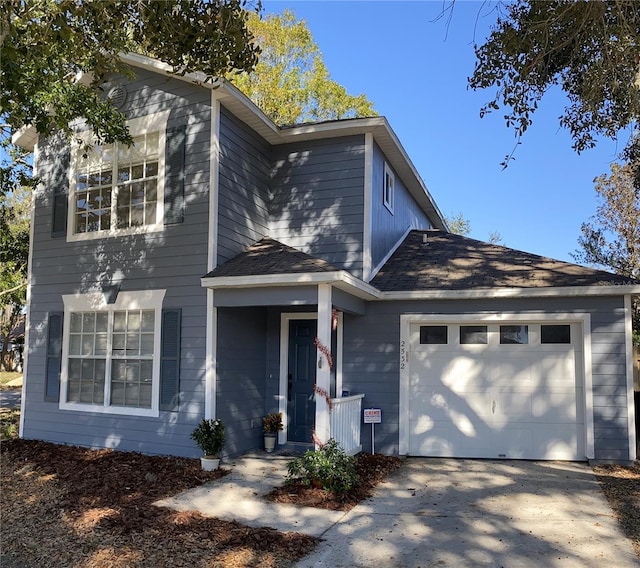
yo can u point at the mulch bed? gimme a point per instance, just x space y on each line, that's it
372 469
621 486
70 506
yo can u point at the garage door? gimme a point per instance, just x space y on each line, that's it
496 390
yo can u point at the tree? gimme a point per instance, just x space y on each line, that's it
15 206
458 225
590 49
45 44
612 239
291 83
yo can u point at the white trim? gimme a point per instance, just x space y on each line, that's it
393 249
388 192
323 372
582 318
368 207
211 331
211 361
137 127
340 279
27 324
339 354
285 318
144 299
550 292
214 169
631 416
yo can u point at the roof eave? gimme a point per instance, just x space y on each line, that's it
494 293
340 279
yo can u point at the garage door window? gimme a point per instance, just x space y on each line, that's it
433 335
473 334
555 334
514 334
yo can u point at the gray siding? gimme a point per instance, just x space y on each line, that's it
387 228
371 364
173 259
318 199
241 374
243 187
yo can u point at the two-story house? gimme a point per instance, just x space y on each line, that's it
226 267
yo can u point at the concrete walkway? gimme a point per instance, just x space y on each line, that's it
439 512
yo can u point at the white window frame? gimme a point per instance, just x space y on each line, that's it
137 127
142 300
388 187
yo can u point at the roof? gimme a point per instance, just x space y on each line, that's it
436 260
269 256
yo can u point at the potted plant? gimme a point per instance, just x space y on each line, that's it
271 425
210 437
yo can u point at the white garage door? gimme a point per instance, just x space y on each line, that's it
496 390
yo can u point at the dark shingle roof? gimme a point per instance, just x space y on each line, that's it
435 260
269 256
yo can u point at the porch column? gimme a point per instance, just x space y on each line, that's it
323 373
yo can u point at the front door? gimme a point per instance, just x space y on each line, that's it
301 406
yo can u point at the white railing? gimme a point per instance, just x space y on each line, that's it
346 417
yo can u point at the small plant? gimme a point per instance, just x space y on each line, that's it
328 466
272 423
210 437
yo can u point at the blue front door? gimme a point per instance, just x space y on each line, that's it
301 406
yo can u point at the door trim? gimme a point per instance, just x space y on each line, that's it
285 318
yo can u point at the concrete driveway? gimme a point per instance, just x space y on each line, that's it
464 513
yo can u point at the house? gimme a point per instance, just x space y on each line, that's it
225 267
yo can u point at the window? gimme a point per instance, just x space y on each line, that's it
110 353
555 334
473 334
433 334
514 334
389 188
118 189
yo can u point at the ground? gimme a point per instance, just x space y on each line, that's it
621 485
93 508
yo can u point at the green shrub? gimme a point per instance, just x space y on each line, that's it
209 435
328 466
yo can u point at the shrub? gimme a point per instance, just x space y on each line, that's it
210 436
328 466
272 422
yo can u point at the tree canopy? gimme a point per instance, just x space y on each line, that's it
589 48
45 44
291 83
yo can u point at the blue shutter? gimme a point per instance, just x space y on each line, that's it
170 359
54 357
174 176
60 194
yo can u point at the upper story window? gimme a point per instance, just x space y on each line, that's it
388 189
118 189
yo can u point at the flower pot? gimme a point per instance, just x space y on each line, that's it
269 442
209 463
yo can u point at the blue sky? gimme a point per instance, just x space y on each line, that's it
414 69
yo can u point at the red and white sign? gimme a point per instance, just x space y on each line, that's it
372 415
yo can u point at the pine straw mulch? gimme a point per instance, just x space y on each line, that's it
81 508
621 486
372 469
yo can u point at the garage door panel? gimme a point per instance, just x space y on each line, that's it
496 400
444 404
